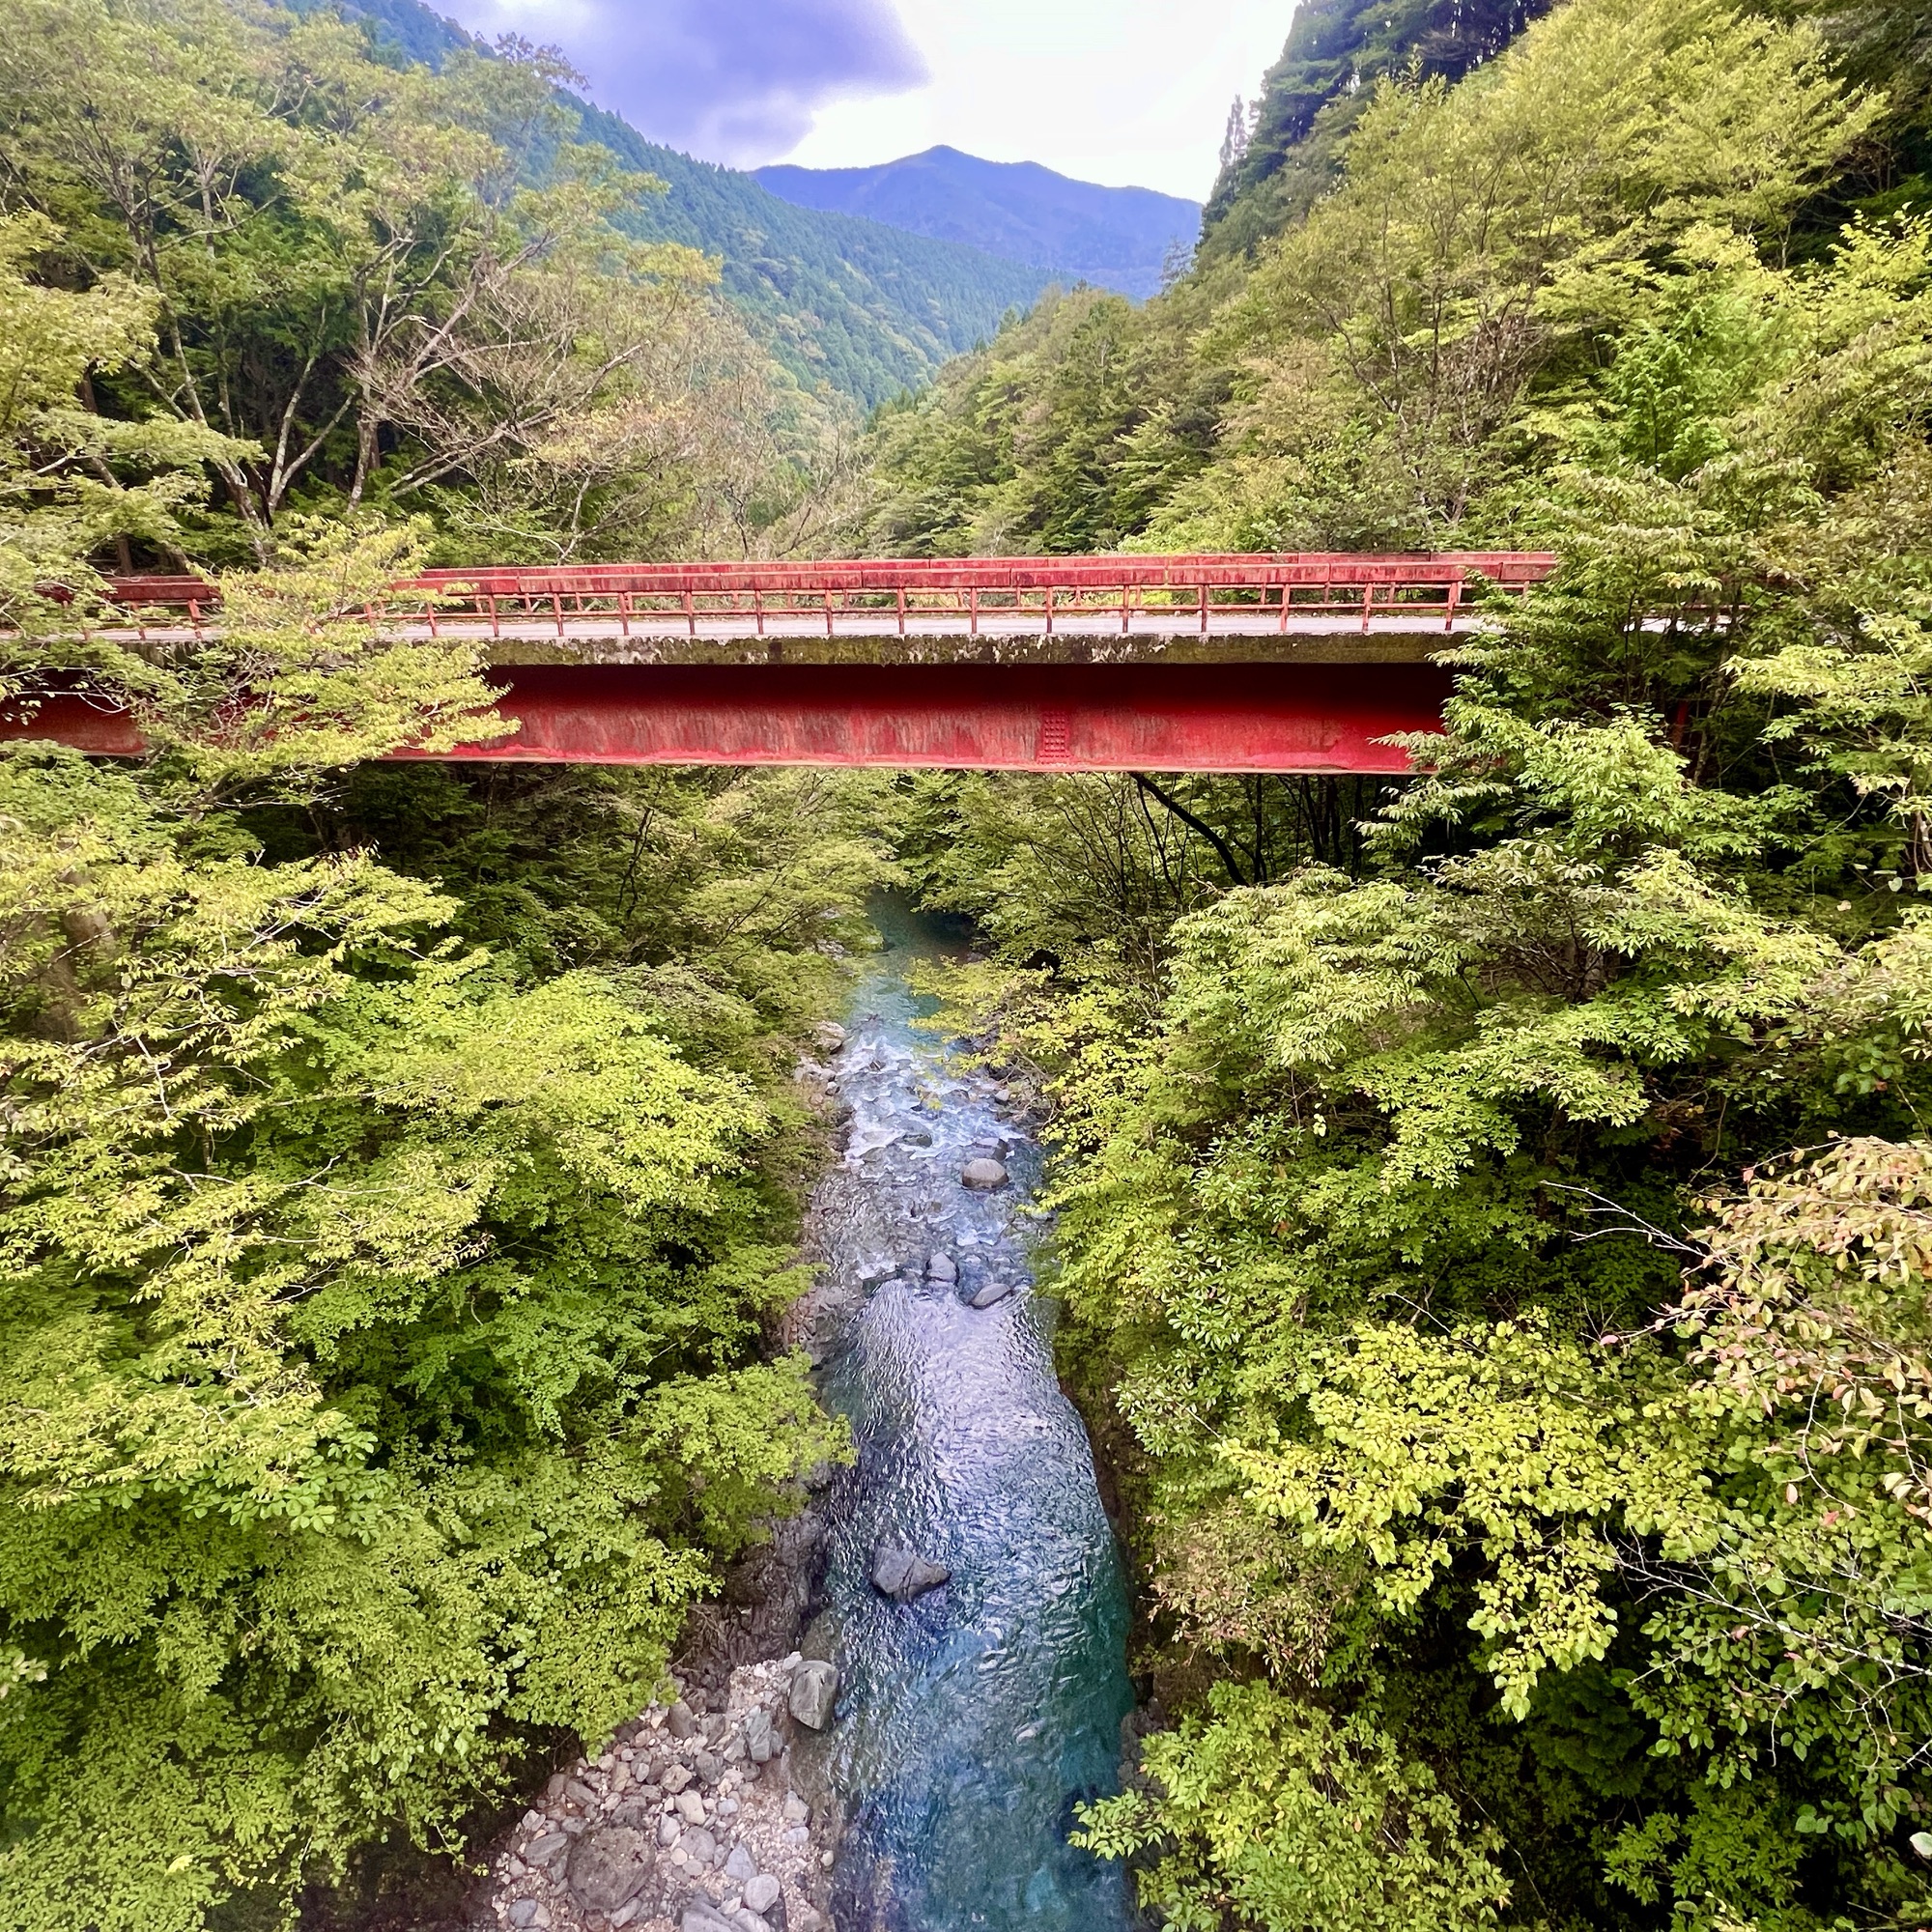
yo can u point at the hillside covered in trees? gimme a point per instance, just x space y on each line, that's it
866 308
1492 1209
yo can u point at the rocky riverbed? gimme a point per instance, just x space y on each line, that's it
689 1823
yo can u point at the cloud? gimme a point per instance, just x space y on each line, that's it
730 80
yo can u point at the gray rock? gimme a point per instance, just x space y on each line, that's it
812 1919
759 1741
747 1920
762 1892
828 1035
542 1849
700 1848
710 1767
814 1693
669 1830
580 1793
942 1267
984 1175
901 1575
676 1776
918 1138
691 1807
741 1865
702 1915
796 1809
524 1912
993 1291
608 1866
680 1720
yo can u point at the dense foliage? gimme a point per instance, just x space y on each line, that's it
400 1166
1523 1446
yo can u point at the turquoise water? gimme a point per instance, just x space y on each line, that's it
972 1720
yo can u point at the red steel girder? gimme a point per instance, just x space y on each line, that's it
1120 717
1095 717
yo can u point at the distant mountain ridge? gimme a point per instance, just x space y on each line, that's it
1117 238
868 309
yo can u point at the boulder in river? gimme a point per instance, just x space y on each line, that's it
814 1691
903 1575
942 1267
984 1175
994 1291
608 1866
829 1035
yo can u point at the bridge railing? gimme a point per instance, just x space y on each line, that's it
870 595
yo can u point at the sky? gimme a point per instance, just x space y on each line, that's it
1132 92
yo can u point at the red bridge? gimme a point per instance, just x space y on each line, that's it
1287 663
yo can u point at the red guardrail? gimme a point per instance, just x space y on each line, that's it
889 592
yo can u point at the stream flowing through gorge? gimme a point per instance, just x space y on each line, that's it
973 1717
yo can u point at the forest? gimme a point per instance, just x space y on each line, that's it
1493 1213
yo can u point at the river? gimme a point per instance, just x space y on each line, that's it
973 1718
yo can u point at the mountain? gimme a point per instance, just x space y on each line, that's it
1117 238
868 309
871 309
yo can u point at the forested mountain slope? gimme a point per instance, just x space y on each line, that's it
1495 1210
870 309
1116 238
1287 151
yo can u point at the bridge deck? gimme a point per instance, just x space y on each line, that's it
1232 636
1295 664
